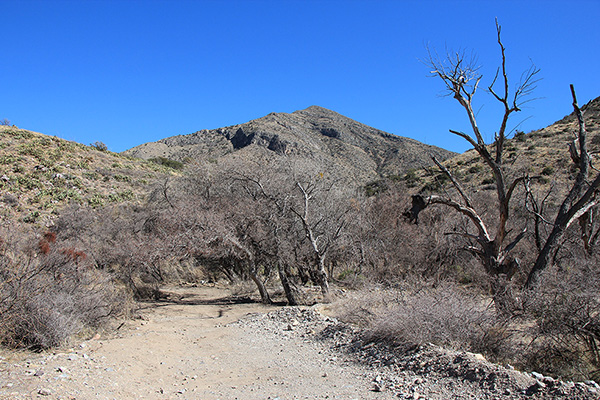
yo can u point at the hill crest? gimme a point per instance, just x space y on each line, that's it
317 134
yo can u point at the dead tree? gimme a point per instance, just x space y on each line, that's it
577 205
461 78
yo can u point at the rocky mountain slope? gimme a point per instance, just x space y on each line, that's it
323 137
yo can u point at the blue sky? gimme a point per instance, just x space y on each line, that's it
128 72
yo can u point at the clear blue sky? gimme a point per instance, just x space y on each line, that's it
128 72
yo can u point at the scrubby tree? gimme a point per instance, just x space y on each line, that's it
492 241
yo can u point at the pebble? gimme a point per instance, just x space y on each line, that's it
44 392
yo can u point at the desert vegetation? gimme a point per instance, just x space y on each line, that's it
481 254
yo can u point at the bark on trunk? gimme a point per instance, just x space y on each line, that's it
287 286
544 257
322 279
264 294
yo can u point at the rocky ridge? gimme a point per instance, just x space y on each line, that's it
321 136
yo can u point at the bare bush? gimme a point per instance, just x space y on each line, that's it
444 315
47 298
566 309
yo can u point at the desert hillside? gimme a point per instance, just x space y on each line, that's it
317 135
41 174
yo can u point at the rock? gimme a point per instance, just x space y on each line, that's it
536 387
44 392
592 384
537 376
376 387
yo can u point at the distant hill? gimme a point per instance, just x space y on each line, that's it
39 174
330 141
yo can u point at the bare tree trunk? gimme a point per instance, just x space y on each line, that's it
322 279
287 286
576 205
262 290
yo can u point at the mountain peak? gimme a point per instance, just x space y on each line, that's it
330 141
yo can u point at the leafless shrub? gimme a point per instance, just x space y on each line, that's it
444 315
45 298
565 306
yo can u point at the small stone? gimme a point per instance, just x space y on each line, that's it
39 372
44 392
376 387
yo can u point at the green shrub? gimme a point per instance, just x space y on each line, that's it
9 159
31 217
475 169
548 171
99 146
96 201
122 178
520 136
411 178
374 188
177 165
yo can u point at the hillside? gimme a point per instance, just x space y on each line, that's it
329 140
544 153
39 174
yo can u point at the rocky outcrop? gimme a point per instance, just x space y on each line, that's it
325 138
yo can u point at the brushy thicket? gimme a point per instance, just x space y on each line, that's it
48 294
428 290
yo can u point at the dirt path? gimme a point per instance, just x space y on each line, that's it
191 349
